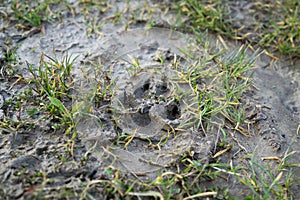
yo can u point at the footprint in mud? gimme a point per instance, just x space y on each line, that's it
262 118
149 105
273 138
278 93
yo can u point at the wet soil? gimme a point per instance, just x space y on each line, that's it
144 106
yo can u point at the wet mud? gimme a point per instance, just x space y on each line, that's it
150 102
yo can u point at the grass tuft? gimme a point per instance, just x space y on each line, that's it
53 78
276 26
32 14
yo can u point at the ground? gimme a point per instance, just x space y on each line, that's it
149 100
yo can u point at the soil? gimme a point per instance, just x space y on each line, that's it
143 106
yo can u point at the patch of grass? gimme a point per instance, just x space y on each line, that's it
206 15
88 9
53 78
276 26
282 30
223 78
10 61
267 183
33 13
236 74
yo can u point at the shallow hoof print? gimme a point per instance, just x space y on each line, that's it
26 162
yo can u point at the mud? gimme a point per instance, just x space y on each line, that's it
149 102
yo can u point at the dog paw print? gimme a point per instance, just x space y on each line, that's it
151 103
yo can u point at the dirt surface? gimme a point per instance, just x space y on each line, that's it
146 101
